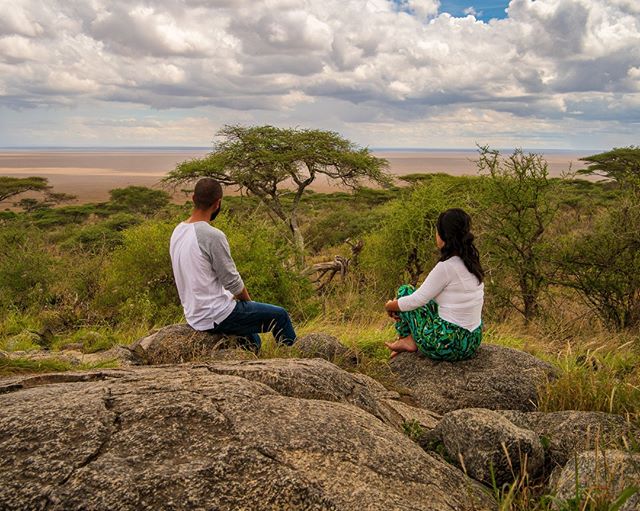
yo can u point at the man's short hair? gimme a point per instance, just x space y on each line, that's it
206 192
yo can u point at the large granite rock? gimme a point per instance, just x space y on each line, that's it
175 344
600 476
497 378
569 432
488 446
209 437
316 379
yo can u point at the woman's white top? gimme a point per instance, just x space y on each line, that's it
455 289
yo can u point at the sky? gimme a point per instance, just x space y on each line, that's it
552 74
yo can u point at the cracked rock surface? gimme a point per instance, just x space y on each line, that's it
497 378
224 436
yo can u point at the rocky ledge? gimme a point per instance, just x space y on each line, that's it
226 436
235 432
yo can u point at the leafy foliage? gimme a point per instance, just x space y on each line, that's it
517 205
12 186
27 269
603 264
139 199
402 247
622 164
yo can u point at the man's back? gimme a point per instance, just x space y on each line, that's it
205 274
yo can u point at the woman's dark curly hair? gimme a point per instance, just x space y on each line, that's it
454 228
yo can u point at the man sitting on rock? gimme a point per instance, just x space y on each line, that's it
211 290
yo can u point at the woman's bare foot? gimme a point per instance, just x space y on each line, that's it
402 344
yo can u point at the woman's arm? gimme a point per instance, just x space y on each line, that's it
435 282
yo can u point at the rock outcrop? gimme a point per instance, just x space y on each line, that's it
315 379
488 446
319 345
497 378
601 476
220 436
179 343
569 432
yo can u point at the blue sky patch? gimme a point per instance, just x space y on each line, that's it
482 9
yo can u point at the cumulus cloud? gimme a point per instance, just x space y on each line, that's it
373 61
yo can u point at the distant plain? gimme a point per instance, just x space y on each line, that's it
91 173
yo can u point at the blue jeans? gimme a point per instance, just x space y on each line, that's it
248 319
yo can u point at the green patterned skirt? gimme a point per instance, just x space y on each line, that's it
436 338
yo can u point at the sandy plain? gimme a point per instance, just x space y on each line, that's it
90 174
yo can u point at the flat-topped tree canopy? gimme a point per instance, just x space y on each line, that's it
272 162
12 186
622 164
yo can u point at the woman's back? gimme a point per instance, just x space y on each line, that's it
455 289
460 301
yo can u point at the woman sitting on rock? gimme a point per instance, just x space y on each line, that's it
442 318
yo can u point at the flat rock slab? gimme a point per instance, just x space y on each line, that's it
193 437
497 378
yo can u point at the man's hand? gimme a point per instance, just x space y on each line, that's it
243 296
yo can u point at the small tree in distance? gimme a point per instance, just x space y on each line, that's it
622 164
12 186
277 165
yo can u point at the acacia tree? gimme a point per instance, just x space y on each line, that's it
12 186
518 205
277 165
622 164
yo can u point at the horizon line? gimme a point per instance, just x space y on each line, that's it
207 148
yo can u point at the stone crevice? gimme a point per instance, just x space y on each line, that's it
113 428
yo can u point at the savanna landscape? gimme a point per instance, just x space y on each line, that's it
561 256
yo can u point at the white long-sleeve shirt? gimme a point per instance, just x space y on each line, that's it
205 274
455 289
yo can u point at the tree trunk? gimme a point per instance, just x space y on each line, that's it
298 241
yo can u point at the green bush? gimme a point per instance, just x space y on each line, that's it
138 272
139 199
27 269
518 203
265 261
139 285
603 264
105 235
401 249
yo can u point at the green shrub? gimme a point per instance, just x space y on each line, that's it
265 261
401 249
603 264
518 203
105 235
139 280
140 271
139 199
27 270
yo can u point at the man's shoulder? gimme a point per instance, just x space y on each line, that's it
208 230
